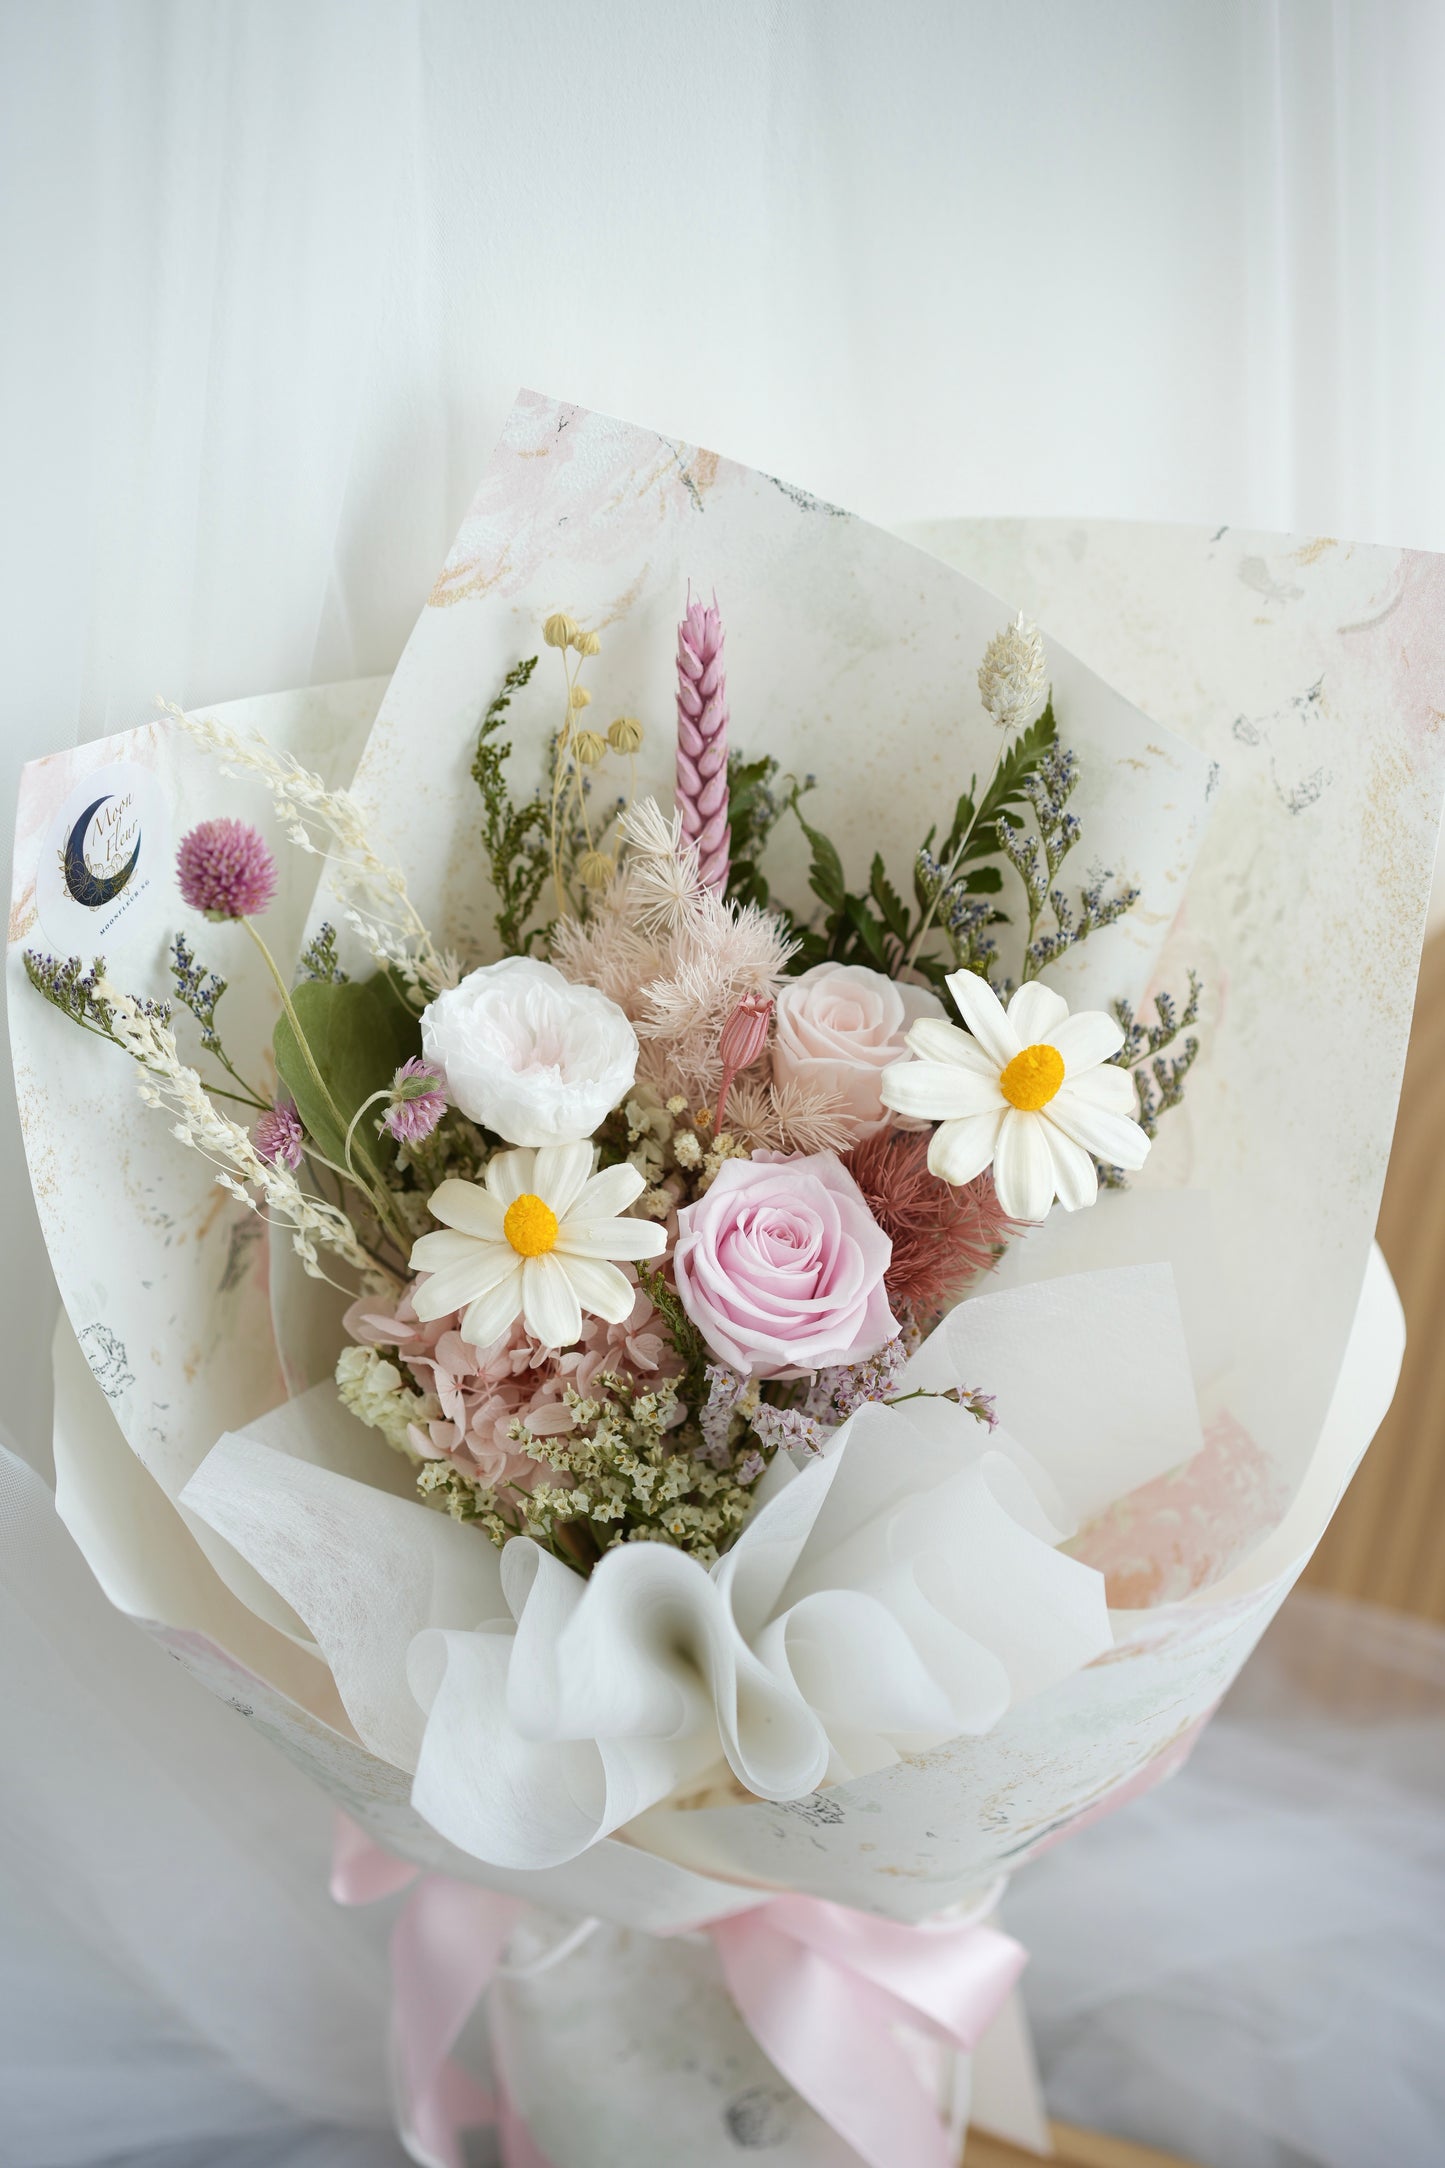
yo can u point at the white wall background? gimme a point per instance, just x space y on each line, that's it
271 271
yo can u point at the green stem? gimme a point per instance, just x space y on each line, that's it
240 1099
380 1204
356 1117
949 871
218 1054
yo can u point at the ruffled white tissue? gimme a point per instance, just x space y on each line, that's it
902 1588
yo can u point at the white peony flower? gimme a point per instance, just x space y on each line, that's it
528 1054
1030 1093
537 1240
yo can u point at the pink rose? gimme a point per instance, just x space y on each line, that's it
841 1025
780 1266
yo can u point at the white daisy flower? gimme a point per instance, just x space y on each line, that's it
1031 1094
536 1240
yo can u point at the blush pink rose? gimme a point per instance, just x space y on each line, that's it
840 1025
780 1266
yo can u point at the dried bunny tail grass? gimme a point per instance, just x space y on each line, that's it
372 891
789 1117
166 1082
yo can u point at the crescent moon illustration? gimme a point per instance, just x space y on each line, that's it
85 886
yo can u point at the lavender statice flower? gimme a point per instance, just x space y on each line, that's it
418 1102
837 1393
226 870
279 1137
726 1389
702 743
789 1426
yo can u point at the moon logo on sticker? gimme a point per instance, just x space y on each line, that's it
92 889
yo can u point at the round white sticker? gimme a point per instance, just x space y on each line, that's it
107 862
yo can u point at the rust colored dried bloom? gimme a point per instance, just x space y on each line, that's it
942 1237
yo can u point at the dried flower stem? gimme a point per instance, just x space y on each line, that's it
374 891
165 1081
374 1192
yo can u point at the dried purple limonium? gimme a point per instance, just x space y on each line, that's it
743 1038
226 870
279 1137
418 1102
702 742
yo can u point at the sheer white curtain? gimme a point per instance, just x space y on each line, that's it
270 275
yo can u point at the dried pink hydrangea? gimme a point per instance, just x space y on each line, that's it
479 1393
226 870
418 1102
279 1137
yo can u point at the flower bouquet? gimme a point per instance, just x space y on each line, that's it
731 1274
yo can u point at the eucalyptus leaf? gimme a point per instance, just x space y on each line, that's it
359 1033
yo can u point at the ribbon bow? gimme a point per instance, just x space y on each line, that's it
446 1946
820 1988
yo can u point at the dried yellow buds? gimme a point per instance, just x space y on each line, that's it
559 630
590 746
625 734
595 870
579 697
586 643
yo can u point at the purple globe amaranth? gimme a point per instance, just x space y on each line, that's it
702 742
226 870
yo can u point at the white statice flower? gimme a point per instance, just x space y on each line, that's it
530 1054
1013 677
539 1240
1032 1093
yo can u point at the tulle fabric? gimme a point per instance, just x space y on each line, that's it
1246 1967
176 1986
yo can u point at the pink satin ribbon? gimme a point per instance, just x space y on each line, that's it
819 1987
445 1949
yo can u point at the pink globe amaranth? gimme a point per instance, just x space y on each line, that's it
226 870
780 1265
279 1138
418 1102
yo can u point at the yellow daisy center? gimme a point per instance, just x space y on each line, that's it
1032 1078
530 1225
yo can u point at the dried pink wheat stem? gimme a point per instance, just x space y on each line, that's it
702 742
